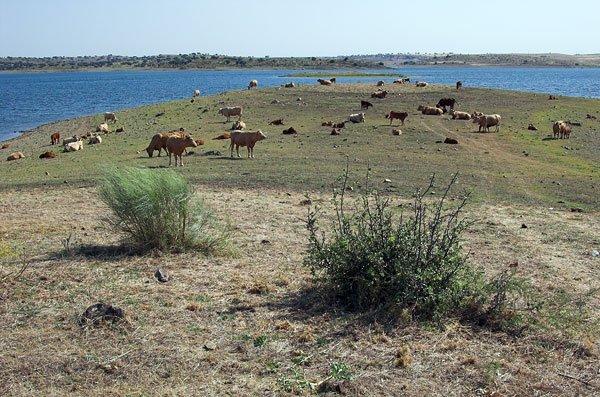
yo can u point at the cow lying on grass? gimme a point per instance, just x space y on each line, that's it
248 139
430 110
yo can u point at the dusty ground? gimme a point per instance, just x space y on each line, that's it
251 324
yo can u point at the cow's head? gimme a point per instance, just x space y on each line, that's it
260 135
189 141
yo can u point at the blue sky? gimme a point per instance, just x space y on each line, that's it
296 28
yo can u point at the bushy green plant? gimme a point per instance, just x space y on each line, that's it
158 210
373 258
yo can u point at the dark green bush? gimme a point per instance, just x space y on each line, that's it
374 258
158 210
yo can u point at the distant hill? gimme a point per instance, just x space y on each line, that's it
450 59
181 61
214 61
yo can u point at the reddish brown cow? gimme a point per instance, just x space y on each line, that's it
176 146
364 105
55 138
396 115
159 141
248 139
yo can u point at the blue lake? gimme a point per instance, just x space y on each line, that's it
31 99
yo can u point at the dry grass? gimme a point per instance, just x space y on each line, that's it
251 325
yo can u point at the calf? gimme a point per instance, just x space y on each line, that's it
55 138
248 139
364 105
396 115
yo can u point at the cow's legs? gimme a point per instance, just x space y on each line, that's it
170 160
237 150
231 149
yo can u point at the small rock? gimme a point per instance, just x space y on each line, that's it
386 180
210 346
161 276
523 226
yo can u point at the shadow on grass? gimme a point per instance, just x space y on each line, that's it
107 253
226 158
310 304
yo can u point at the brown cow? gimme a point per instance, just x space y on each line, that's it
396 115
224 136
379 94
459 115
248 139
159 141
364 105
55 138
176 146
561 130
48 155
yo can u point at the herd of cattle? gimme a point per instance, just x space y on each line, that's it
174 143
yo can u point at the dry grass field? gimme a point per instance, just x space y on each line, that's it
253 322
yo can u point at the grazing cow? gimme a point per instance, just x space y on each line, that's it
103 128
458 85
95 140
364 105
379 94
421 84
74 146
196 93
430 110
253 84
561 130
488 120
48 155
66 141
459 115
222 137
159 141
110 116
276 122
357 118
238 125
339 125
324 82
396 115
15 156
55 138
380 83
442 103
290 85
248 139
232 111
176 146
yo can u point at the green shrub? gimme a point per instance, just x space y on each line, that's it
158 210
374 258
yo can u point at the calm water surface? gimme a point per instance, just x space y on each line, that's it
31 99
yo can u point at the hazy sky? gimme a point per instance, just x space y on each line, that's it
296 28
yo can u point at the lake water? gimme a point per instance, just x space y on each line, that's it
31 99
